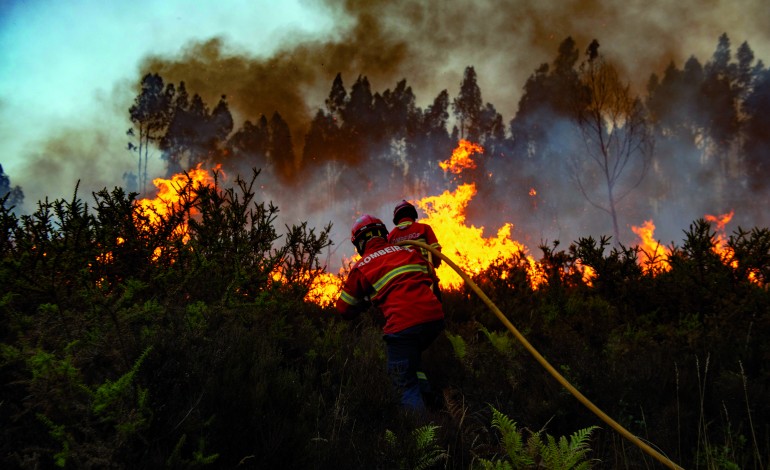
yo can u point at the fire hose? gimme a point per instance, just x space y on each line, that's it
575 392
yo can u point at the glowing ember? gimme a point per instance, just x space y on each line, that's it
653 257
461 157
532 192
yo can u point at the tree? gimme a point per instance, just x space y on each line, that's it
9 195
281 150
617 137
195 135
698 113
674 100
673 103
468 106
396 125
182 138
221 121
358 121
542 138
434 119
545 103
397 110
432 143
337 97
756 139
323 141
493 131
248 146
151 112
720 103
745 71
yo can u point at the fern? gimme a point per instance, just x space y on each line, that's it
421 453
458 344
496 465
390 438
513 443
199 457
501 341
564 454
428 450
561 454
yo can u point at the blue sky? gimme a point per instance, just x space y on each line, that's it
66 66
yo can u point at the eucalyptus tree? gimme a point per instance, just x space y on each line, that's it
468 106
618 140
151 113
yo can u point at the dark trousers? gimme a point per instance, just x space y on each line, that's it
404 357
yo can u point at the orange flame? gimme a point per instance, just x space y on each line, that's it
720 220
588 273
170 198
325 289
465 245
653 257
170 195
726 254
721 248
461 157
720 243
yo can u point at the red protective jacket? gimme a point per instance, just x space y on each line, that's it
397 280
408 229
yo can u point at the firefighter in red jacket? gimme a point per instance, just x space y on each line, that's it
399 281
407 228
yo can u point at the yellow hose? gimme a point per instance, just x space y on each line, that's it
585 401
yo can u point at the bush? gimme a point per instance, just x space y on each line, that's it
184 340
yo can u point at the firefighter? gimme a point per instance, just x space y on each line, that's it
407 228
398 281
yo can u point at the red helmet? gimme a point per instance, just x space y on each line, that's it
404 209
364 228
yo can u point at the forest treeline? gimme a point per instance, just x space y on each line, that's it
695 137
127 342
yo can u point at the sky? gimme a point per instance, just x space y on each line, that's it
69 69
